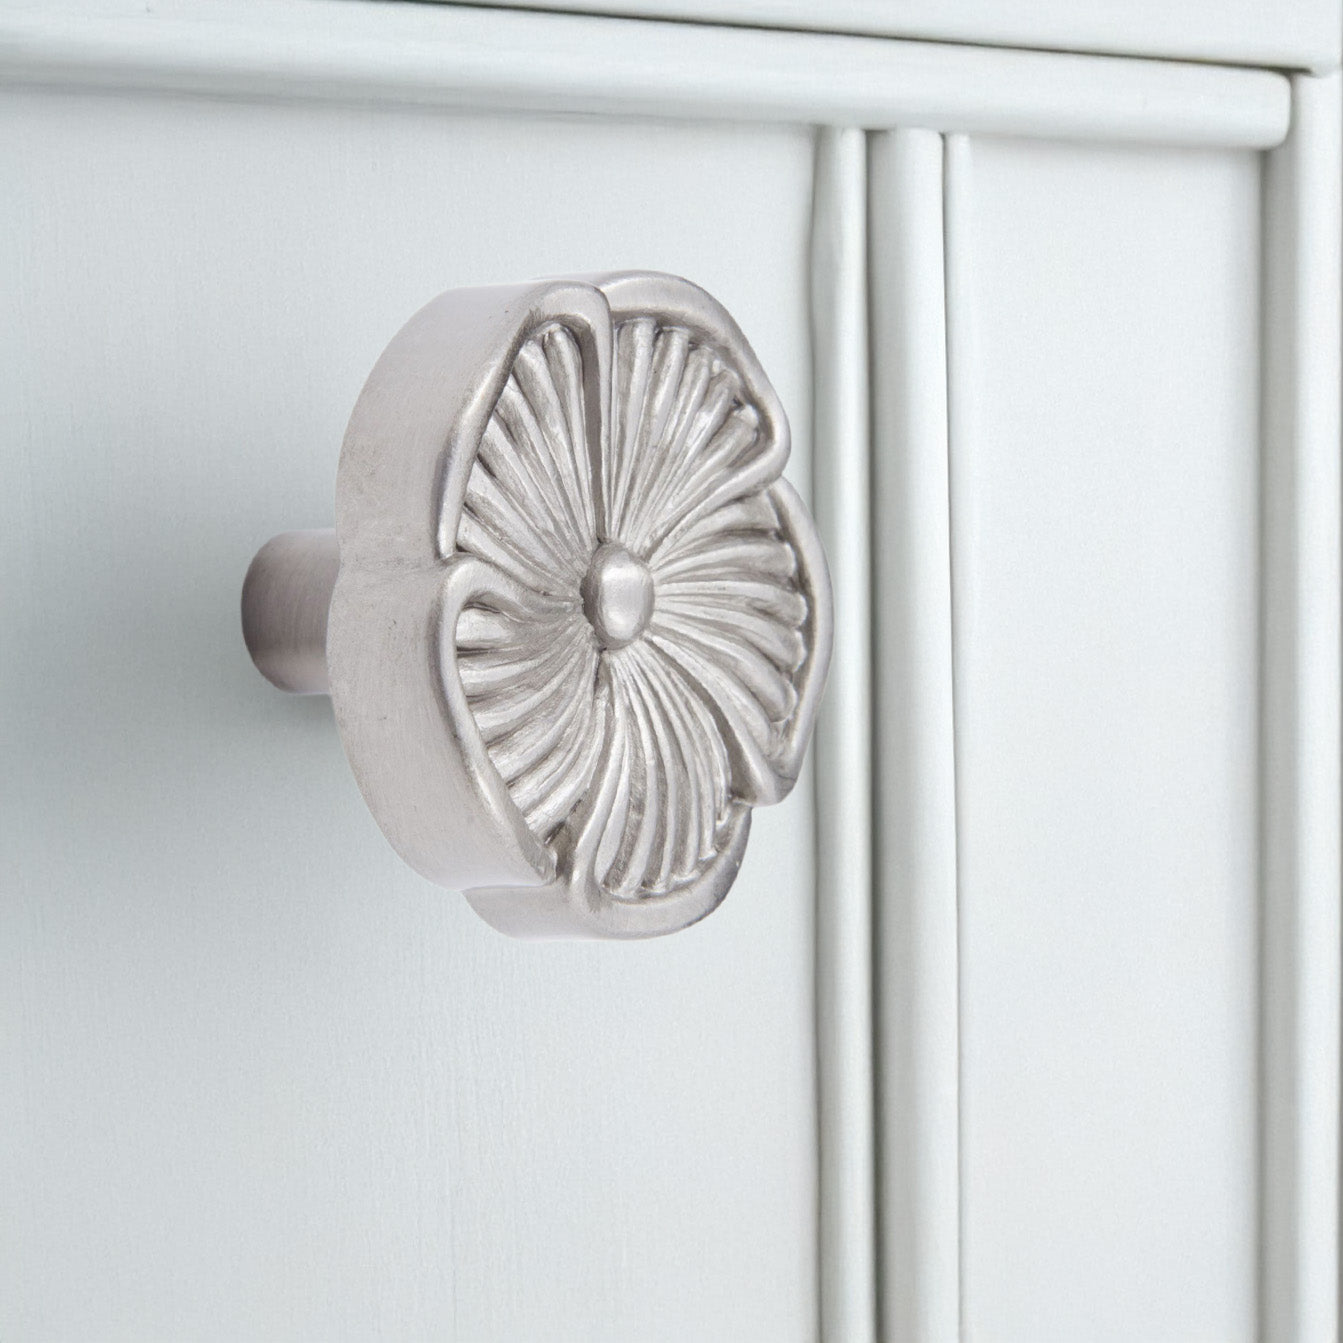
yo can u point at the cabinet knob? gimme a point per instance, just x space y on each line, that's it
573 622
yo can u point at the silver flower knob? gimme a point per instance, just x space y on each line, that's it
573 622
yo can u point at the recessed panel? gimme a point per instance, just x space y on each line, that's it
1104 459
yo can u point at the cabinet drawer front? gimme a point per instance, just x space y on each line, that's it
273 1083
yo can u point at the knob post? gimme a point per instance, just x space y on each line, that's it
286 597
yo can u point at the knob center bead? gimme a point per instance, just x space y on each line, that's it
617 595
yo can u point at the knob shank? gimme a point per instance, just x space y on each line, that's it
286 598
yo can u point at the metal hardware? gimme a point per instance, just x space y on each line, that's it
574 624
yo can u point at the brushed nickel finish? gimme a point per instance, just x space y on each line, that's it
574 624
285 599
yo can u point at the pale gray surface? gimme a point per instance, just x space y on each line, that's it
916 944
1104 452
844 965
479 56
1253 32
1300 760
256 1079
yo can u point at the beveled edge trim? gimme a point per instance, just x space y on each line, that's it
1301 725
475 57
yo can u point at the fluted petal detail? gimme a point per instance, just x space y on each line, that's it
731 609
660 824
633 738
530 683
564 364
704 756
752 737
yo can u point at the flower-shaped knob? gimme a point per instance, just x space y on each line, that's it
573 622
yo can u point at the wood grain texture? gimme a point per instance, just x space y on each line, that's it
916 923
844 743
559 62
1104 357
257 1080
1299 776
1295 34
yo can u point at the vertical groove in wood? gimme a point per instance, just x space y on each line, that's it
1300 783
843 745
916 906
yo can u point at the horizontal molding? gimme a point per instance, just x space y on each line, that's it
1283 34
507 59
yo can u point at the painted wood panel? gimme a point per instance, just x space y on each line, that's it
844 743
1300 706
257 1080
1303 34
917 998
1104 425
477 56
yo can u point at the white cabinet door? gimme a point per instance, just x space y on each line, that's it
1107 627
1021 1021
260 1080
